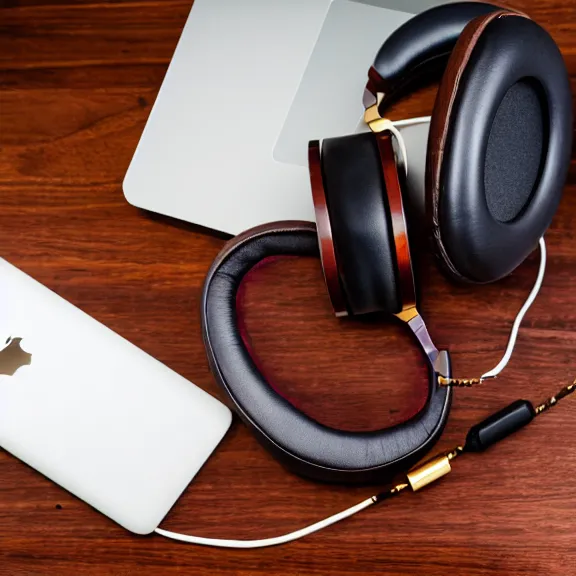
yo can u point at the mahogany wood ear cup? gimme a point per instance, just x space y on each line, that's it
325 241
489 68
360 221
394 192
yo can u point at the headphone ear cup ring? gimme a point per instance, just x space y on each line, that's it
492 85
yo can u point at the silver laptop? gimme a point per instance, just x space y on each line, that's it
95 414
250 83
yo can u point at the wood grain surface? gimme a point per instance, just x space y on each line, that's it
78 82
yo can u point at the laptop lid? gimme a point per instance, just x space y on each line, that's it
93 412
249 85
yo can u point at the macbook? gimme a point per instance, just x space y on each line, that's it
94 413
250 83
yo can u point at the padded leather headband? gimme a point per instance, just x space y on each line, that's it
299 442
419 50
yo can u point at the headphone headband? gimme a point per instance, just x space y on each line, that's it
299 442
419 50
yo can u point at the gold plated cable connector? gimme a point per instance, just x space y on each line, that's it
432 470
459 382
551 402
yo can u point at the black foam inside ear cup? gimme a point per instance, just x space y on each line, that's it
361 223
514 151
493 86
302 444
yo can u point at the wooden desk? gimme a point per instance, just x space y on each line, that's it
78 80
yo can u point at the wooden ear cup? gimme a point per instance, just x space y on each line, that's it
362 231
324 228
394 191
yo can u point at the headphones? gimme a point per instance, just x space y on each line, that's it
498 155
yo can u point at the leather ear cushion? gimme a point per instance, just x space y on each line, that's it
361 223
492 56
302 444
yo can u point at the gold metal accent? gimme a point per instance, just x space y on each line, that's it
372 113
372 117
429 472
408 314
459 382
459 450
392 492
551 402
399 488
380 125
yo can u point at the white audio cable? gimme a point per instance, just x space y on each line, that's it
393 127
412 121
270 541
513 332
516 326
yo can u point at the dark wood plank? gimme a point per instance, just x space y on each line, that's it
78 80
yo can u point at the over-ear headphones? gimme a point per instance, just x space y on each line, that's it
498 155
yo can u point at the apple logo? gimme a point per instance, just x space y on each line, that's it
13 357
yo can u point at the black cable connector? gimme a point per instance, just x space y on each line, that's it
499 426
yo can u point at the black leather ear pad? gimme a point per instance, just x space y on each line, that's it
494 183
419 50
300 443
361 226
